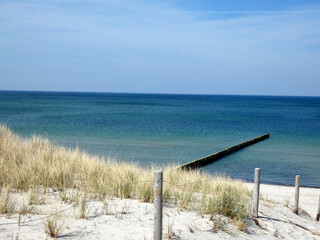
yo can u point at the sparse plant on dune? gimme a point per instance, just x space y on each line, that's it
145 192
53 226
25 208
7 205
83 205
35 197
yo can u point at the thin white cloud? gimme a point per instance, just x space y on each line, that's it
149 26
162 40
259 12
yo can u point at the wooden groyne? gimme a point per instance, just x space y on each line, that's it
216 156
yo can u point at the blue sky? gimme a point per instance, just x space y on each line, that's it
170 46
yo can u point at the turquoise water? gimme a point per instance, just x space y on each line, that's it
162 129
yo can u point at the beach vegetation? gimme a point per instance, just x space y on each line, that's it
25 208
287 202
145 192
53 226
7 205
106 208
35 197
170 234
36 163
125 209
83 206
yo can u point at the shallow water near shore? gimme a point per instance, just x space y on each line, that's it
160 129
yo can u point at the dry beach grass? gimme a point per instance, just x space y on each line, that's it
36 165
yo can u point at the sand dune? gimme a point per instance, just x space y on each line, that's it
131 219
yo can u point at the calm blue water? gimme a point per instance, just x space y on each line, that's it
162 129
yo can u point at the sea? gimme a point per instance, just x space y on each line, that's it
168 129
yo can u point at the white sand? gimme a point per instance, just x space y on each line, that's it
130 219
308 200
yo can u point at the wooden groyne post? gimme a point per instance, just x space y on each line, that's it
214 157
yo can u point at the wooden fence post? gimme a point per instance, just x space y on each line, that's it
296 198
157 215
256 189
318 212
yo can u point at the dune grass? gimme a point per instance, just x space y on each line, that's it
54 226
32 163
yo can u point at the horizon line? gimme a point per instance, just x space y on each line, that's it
161 93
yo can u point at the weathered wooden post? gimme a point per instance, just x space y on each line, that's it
318 212
157 215
256 189
296 198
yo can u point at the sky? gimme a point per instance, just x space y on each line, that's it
247 47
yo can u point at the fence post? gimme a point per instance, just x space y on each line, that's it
157 215
256 189
296 198
318 212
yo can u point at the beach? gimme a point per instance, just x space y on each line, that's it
131 219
